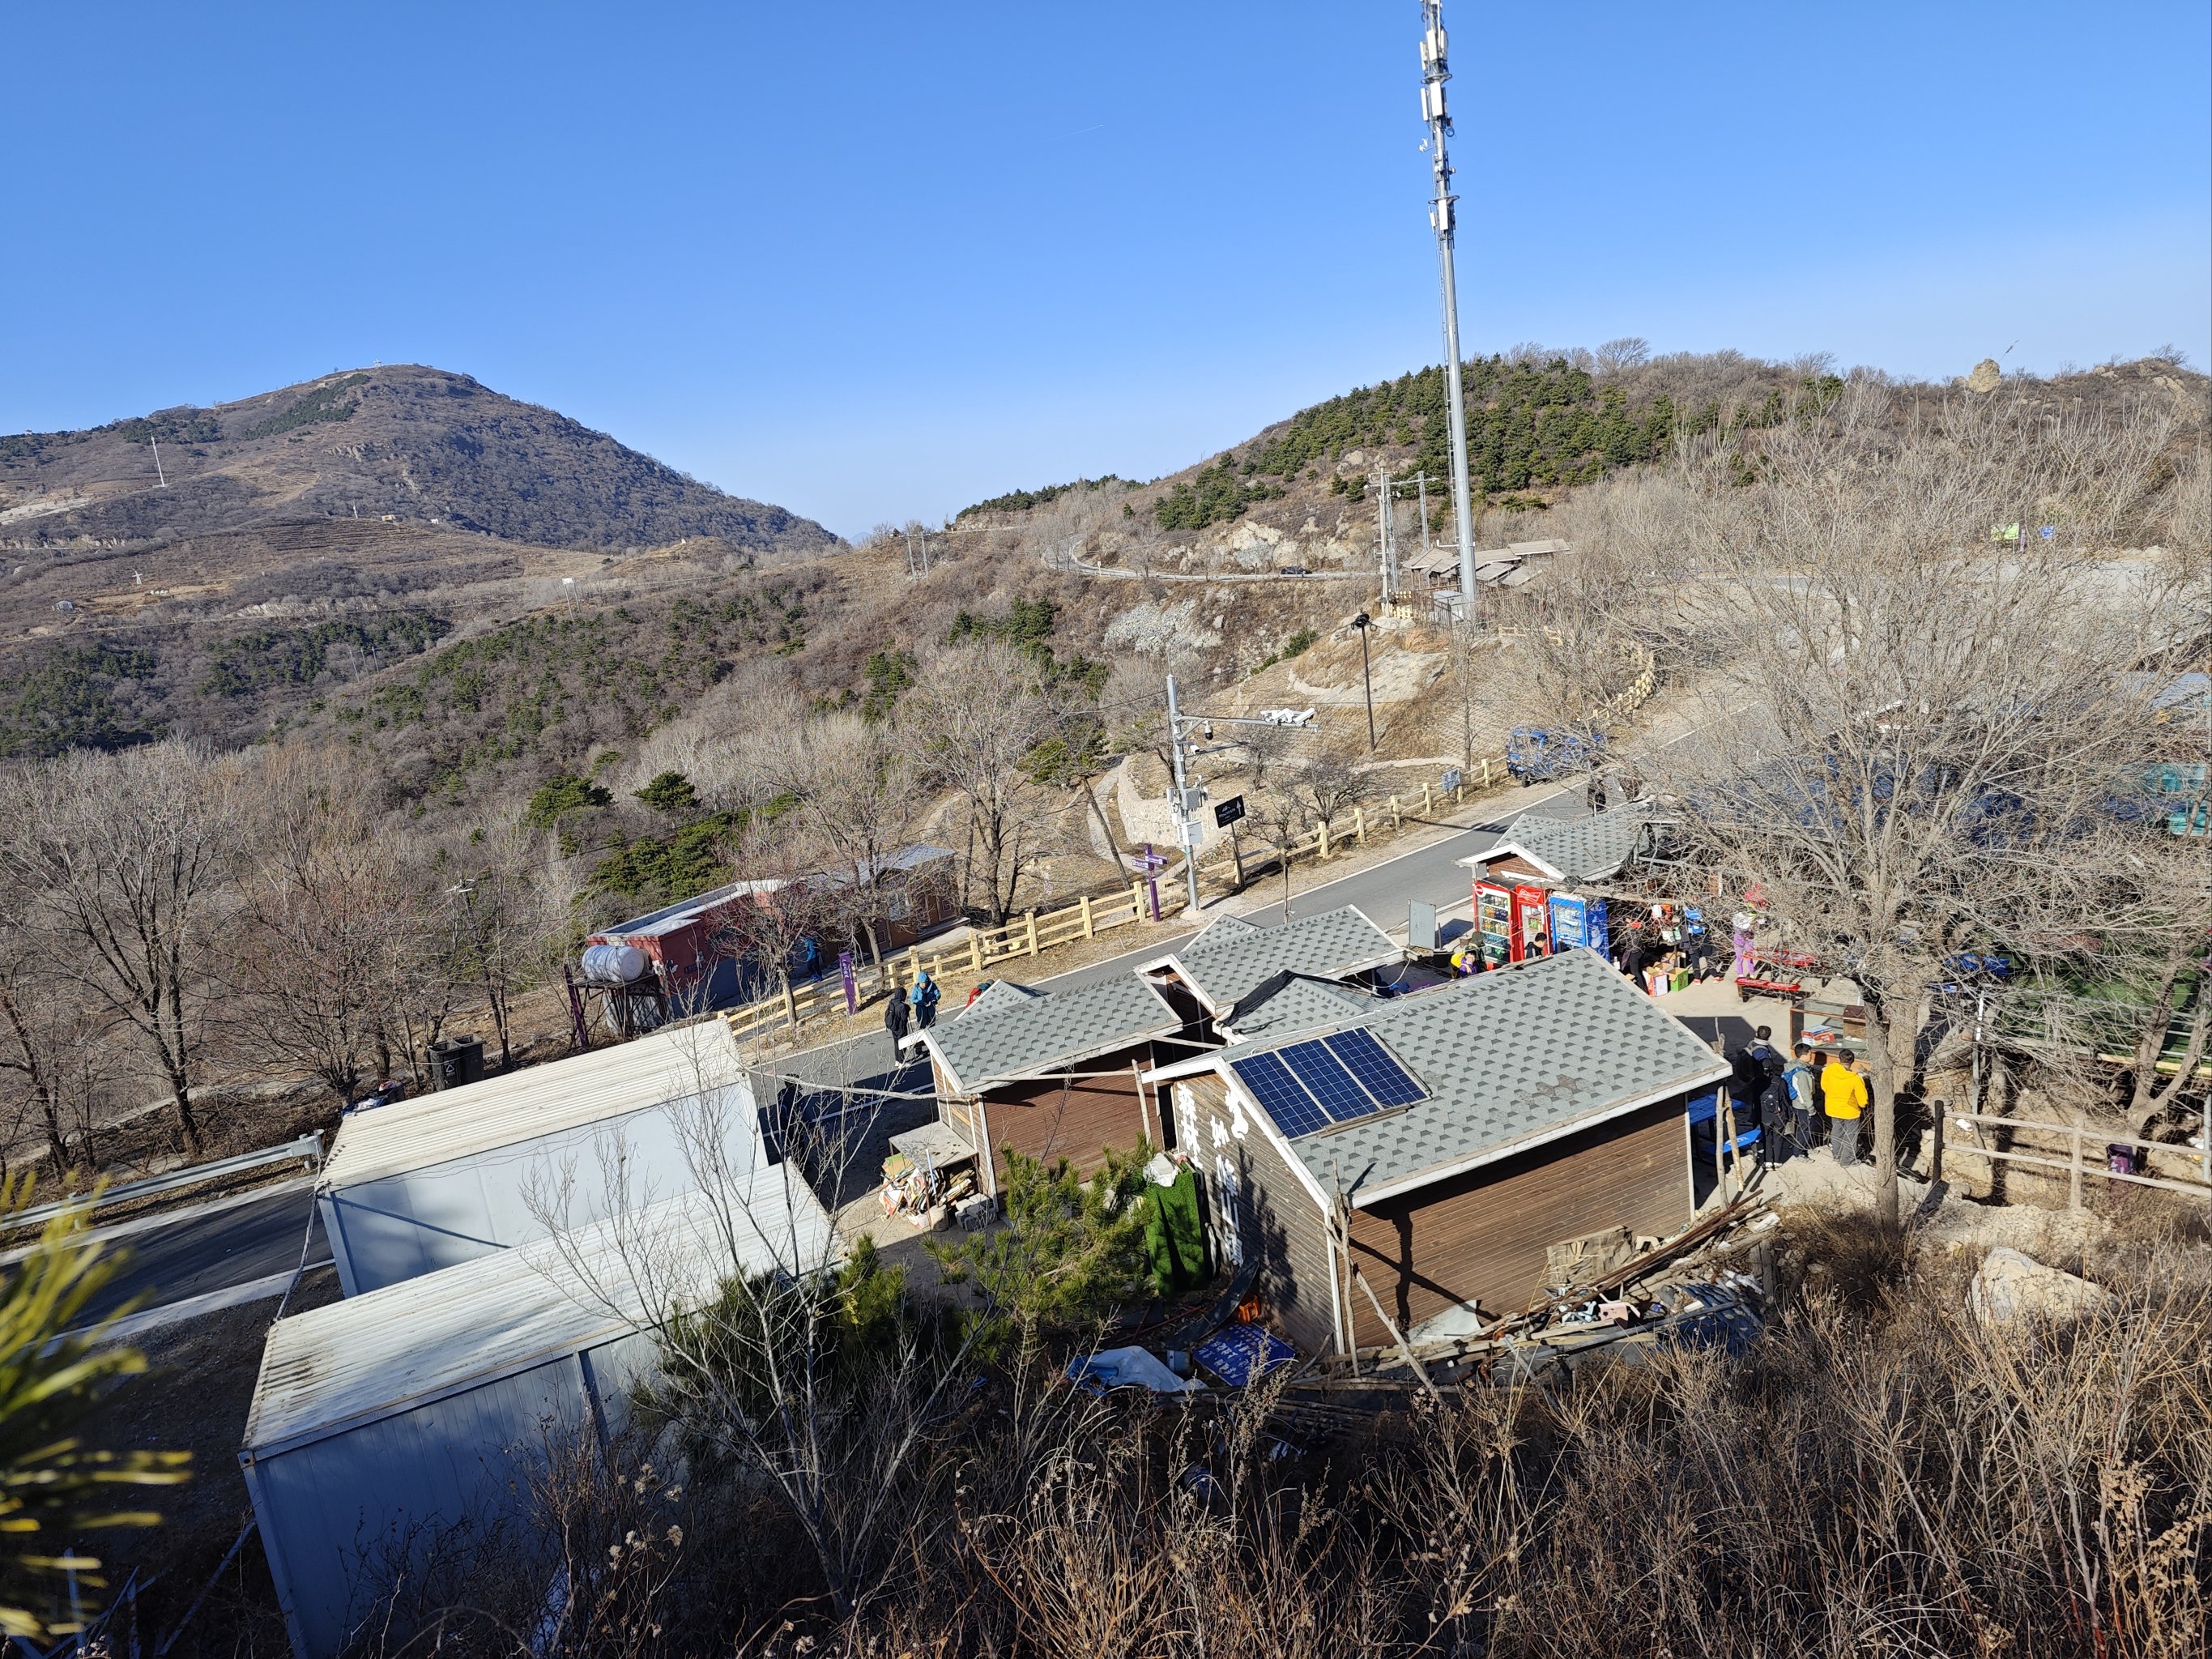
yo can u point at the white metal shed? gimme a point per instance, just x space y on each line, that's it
385 1420
426 1183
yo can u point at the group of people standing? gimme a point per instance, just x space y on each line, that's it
1799 1099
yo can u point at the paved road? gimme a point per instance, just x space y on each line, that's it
209 1249
1429 873
195 1256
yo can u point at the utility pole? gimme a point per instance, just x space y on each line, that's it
1383 532
1434 74
1421 483
158 473
1186 823
1180 729
1367 685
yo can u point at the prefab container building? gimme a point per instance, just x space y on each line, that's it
427 1184
696 945
382 1424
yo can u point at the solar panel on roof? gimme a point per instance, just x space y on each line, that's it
1328 1081
1281 1096
1391 1084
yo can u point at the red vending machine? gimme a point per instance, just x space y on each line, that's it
1493 924
1532 922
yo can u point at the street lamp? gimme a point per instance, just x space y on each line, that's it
1367 685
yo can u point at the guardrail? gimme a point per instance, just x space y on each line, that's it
308 1149
2071 1162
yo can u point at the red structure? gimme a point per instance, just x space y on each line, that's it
690 944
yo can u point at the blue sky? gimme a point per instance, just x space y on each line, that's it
871 262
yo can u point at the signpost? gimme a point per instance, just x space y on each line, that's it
1152 864
846 980
1227 815
1449 781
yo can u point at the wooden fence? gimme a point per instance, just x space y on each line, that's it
2069 1159
1226 867
1027 935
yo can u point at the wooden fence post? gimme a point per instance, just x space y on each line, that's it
1083 905
1360 823
1486 771
913 963
1397 818
1032 921
1322 843
976 951
1428 802
1137 900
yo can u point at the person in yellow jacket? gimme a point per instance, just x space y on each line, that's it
1844 1098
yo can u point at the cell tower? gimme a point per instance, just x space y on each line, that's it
1434 73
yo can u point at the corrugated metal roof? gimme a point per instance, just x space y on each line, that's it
674 918
1026 1038
1225 966
503 1111
372 1356
1506 1056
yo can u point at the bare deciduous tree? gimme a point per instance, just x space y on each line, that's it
781 1358
501 927
1327 789
854 791
328 925
980 711
1916 730
128 856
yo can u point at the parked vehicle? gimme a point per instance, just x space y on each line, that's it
1535 754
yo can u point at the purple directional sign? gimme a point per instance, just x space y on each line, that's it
1153 863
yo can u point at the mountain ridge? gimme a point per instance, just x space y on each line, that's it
409 443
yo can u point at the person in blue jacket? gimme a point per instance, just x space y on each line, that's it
924 999
1804 1091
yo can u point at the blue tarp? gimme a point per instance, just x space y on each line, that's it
1238 1353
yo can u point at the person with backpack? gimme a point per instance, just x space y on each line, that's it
1746 1082
895 1018
1773 1108
1803 1092
924 997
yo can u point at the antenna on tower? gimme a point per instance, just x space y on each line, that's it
1435 72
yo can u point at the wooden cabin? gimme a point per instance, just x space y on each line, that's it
1440 1143
1055 1073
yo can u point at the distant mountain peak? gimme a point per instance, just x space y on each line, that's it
408 442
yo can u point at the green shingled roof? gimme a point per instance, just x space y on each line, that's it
1507 1057
1011 1037
1225 964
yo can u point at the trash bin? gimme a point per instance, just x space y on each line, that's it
2123 1160
456 1060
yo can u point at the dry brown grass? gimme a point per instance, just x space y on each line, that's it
1879 1475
